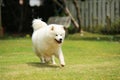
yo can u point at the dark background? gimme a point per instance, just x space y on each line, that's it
18 18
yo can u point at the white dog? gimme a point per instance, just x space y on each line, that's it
47 41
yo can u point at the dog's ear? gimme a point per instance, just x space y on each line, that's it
64 28
52 28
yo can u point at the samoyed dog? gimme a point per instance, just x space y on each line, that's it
47 41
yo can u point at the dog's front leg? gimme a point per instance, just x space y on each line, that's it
61 57
53 60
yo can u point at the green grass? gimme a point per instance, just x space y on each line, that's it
86 59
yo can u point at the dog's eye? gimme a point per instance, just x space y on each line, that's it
56 35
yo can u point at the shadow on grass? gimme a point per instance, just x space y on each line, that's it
42 65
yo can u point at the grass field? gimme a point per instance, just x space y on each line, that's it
91 58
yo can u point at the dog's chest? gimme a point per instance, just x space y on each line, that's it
50 50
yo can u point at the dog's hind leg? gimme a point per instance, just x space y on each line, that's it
42 59
39 55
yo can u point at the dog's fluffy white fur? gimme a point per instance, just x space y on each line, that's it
38 23
47 41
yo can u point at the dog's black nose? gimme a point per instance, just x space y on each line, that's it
60 39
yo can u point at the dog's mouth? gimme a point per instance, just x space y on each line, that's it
58 41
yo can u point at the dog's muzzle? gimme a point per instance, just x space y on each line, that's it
59 41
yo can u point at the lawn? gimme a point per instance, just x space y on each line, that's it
87 58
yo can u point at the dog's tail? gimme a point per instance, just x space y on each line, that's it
38 23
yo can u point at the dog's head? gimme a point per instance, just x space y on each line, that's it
58 32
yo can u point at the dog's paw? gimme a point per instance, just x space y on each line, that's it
62 65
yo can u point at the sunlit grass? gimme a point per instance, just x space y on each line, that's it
85 60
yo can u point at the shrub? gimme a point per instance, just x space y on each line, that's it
114 28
